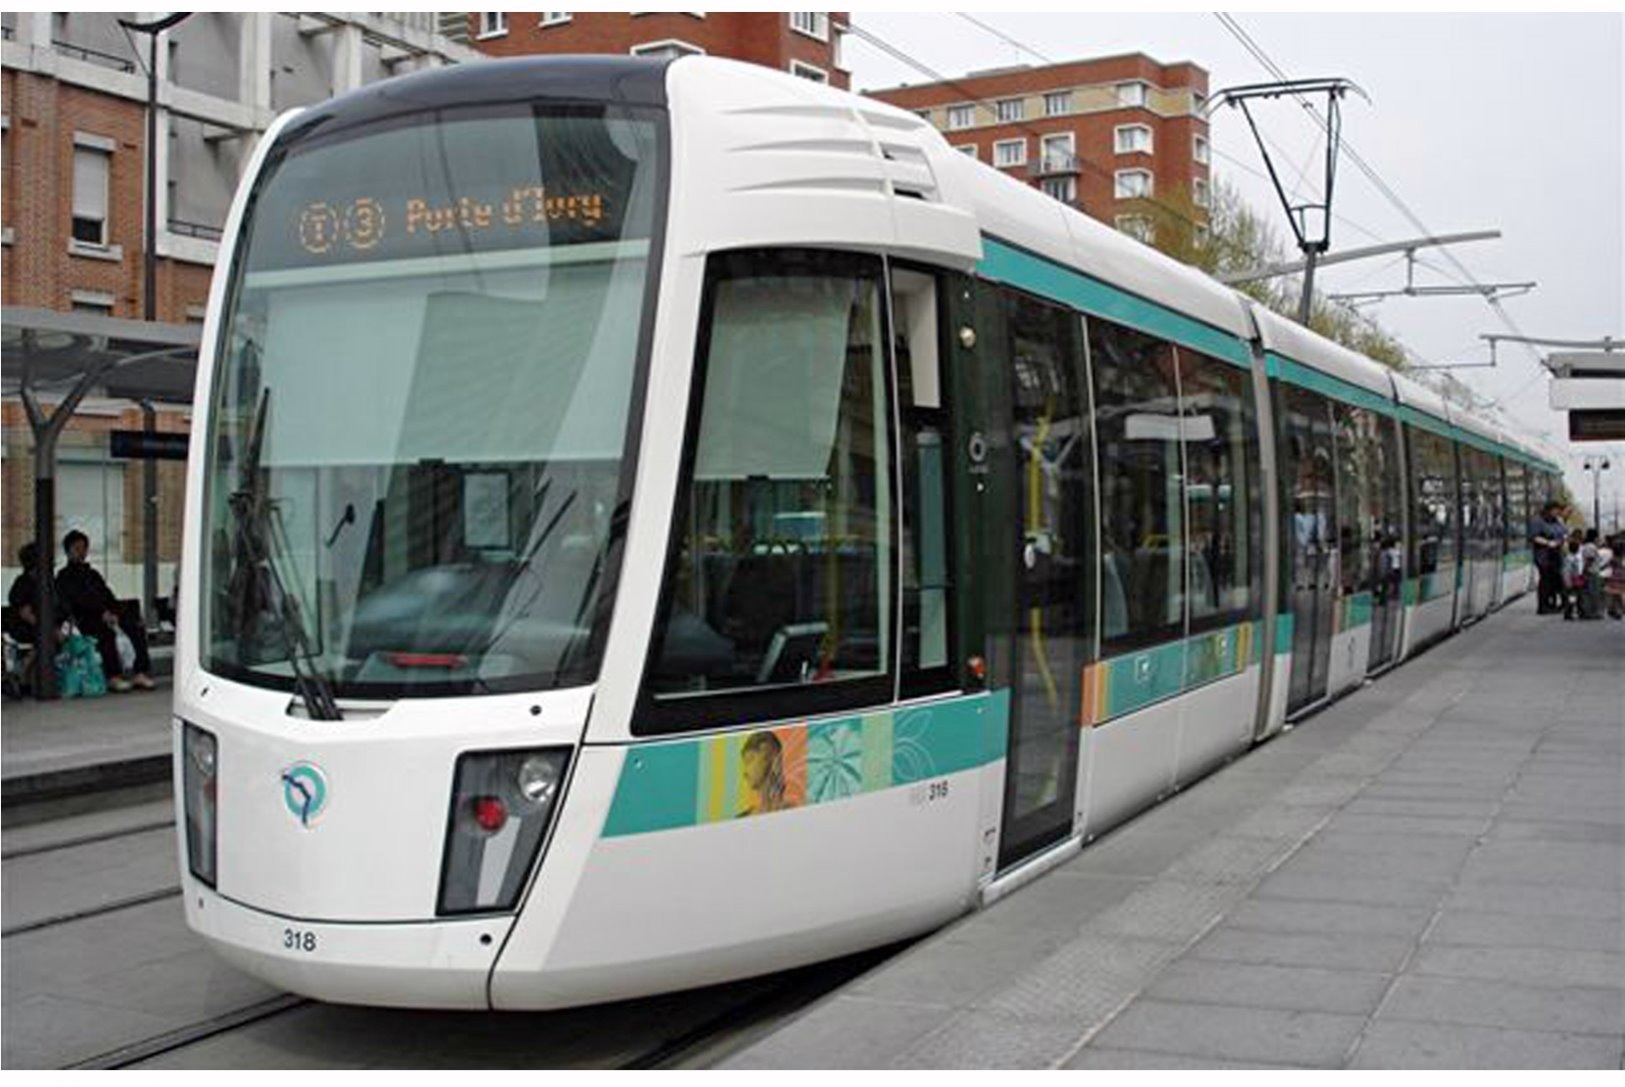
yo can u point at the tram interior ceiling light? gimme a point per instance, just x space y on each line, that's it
199 773
502 803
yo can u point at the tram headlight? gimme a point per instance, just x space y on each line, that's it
501 806
199 774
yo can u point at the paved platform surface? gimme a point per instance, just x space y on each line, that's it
44 738
1425 874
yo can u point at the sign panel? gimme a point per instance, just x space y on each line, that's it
148 445
1597 425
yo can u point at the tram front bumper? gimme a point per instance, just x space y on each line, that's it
439 964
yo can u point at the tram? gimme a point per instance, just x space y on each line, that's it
658 523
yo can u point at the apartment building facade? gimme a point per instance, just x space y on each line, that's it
1117 137
803 43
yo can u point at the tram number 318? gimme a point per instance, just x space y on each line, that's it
296 940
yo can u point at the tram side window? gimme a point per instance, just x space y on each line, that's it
781 576
1433 504
926 551
1138 429
1515 524
1222 503
1359 464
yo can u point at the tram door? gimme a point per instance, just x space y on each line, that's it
1050 445
1310 537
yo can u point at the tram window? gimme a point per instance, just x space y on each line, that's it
782 571
1222 502
1359 499
926 551
1433 505
1516 515
1138 431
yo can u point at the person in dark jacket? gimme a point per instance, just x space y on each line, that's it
96 612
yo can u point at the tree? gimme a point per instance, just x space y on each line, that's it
1228 237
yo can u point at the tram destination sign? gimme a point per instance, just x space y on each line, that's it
148 445
1597 425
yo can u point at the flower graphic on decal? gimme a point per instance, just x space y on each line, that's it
911 757
834 761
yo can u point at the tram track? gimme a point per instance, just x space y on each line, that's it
86 839
126 903
159 1044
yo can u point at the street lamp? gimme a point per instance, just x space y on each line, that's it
1596 468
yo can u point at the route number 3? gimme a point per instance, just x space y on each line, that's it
295 940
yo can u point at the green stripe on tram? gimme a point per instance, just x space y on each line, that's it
1004 263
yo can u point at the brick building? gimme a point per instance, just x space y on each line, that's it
805 43
1117 137
73 106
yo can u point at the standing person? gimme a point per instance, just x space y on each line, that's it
1546 535
1591 565
95 610
1573 575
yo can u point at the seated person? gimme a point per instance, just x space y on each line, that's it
23 623
95 609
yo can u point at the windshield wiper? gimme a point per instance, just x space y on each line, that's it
261 541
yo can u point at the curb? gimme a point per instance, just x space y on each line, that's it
78 781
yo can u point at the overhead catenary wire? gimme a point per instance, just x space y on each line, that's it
1258 53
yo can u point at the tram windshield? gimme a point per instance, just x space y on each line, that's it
421 402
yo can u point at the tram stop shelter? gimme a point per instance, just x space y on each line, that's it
52 361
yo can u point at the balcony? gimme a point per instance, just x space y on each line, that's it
1056 164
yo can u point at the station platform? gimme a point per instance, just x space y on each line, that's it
1427 873
50 749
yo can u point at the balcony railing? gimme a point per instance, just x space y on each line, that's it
1056 163
94 56
195 230
7 32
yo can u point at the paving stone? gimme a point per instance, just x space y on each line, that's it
1472 928
1343 951
1389 1044
1331 918
990 1038
846 1032
1262 985
1125 1059
1344 888
1410 826
1524 965
1319 1039
1532 900
1558 830
1568 1009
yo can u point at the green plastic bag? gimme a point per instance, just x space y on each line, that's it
79 668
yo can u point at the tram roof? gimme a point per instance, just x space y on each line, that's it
1293 341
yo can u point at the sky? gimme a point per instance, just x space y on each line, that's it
1499 122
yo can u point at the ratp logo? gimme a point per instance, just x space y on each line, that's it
304 791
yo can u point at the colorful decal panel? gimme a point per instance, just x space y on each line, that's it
715 779
1120 685
1285 625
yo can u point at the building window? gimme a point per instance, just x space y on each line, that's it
1012 110
1132 184
1199 192
1132 139
923 114
969 149
1131 95
1064 189
1199 150
1057 103
1137 226
493 24
90 170
1198 101
1010 153
97 302
961 116
555 18
1059 153
670 49
808 71
814 24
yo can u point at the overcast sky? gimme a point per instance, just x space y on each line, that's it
1508 122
